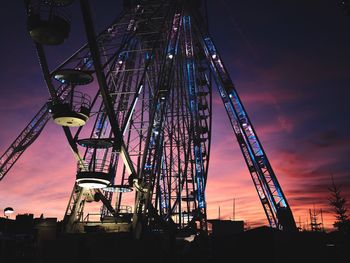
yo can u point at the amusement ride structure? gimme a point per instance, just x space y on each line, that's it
135 103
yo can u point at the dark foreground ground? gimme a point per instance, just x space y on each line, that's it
257 245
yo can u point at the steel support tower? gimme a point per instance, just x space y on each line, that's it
146 128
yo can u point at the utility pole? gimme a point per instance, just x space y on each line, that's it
234 209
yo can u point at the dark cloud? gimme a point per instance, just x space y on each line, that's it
330 138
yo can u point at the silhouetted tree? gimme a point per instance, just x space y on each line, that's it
337 201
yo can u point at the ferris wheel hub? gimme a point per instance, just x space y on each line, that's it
118 189
48 32
73 114
60 3
72 119
92 180
73 76
96 143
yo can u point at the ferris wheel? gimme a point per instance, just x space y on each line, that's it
135 104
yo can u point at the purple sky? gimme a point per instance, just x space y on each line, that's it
290 61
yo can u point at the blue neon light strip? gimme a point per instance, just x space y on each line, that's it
237 111
192 91
156 130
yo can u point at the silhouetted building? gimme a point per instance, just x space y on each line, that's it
25 224
25 239
7 226
225 227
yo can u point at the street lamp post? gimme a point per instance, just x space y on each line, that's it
8 211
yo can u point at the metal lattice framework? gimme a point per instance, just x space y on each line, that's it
149 122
